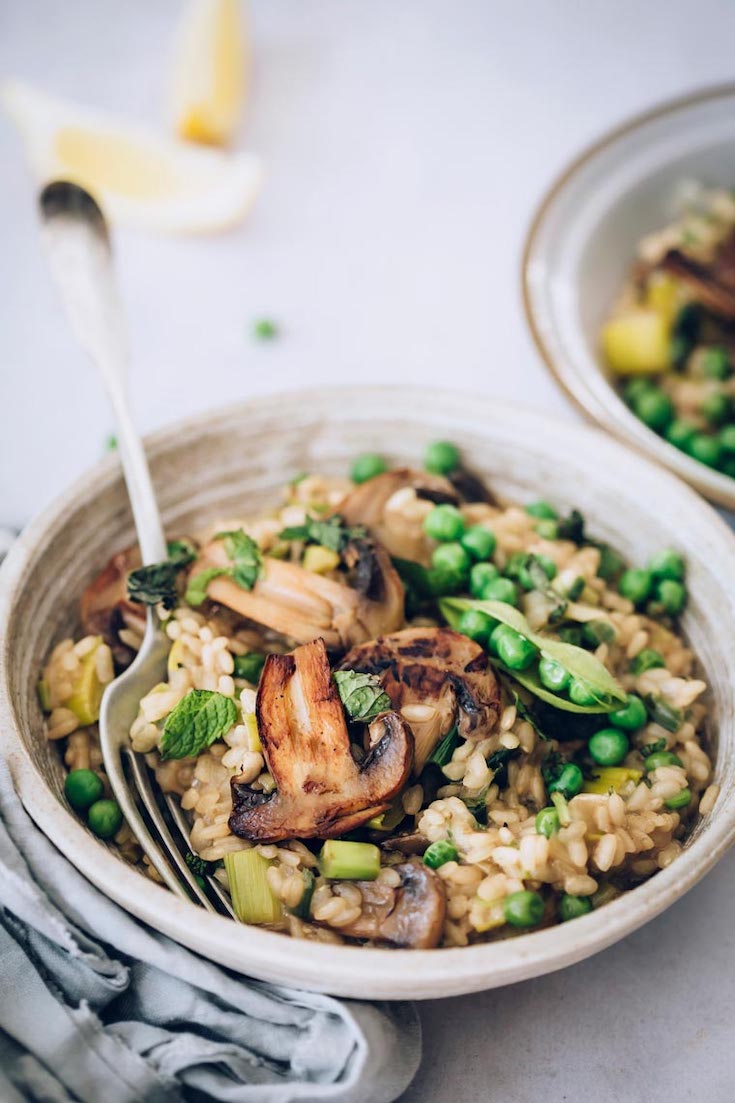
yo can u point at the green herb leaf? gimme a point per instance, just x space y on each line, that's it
331 533
247 561
362 695
661 712
181 553
199 719
444 749
652 748
154 585
498 763
478 805
197 865
580 664
525 713
572 527
250 666
196 591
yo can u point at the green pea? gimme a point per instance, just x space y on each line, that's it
513 650
661 758
476 625
479 542
547 822
655 409
581 694
611 563
632 716
451 557
82 788
553 675
680 433
264 329
443 582
440 852
715 363
706 449
672 596
596 632
667 564
105 818
542 510
480 575
442 458
647 659
367 466
444 523
547 530
716 408
569 781
635 388
249 666
727 466
523 909
679 800
726 438
608 747
573 907
635 584
501 589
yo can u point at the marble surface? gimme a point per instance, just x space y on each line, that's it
405 147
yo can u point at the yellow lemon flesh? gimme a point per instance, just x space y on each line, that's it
210 72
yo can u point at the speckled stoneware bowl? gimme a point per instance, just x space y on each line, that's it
233 462
583 240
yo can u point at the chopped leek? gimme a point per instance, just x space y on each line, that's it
251 894
88 689
346 861
320 560
302 909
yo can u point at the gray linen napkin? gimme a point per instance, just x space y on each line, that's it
95 1006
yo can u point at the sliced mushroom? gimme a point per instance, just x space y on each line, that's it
301 604
105 608
435 668
412 914
409 842
713 284
321 790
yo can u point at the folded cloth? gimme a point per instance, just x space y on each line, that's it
96 1006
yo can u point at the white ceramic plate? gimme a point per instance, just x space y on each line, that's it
583 240
232 462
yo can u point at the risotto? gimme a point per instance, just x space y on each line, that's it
400 712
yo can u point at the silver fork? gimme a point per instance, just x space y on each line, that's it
78 249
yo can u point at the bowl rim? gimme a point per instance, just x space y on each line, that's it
714 485
361 972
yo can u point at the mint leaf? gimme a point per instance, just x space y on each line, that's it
245 556
196 591
332 533
362 694
154 585
181 553
199 719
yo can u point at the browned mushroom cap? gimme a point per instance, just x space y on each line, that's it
301 604
321 790
713 284
412 914
105 608
438 676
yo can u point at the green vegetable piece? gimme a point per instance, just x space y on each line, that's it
685 333
534 572
581 693
303 908
83 788
476 625
716 364
655 409
331 533
727 466
661 758
523 909
250 666
514 650
647 659
667 564
247 562
264 329
569 782
111 443
679 800
361 694
632 716
671 596
154 585
200 719
439 853
444 523
608 747
635 388
707 449
252 898
727 438
181 553
547 530
347 861
560 803
501 589
443 582
596 632
635 584
553 675
611 563
680 433
105 818
444 749
451 558
442 458
196 591
367 466
542 510
480 575
547 822
44 694
716 408
571 527
479 542
573 907
196 864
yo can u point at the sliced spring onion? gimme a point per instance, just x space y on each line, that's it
346 861
251 894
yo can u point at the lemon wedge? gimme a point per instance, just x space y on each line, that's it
211 64
139 178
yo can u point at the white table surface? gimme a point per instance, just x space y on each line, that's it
406 144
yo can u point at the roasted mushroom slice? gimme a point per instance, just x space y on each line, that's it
438 676
412 914
105 608
713 284
302 605
321 790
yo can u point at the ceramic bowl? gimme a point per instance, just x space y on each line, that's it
233 461
583 240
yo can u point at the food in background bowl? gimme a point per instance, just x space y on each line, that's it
671 337
401 713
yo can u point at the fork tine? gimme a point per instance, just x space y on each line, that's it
177 815
142 782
